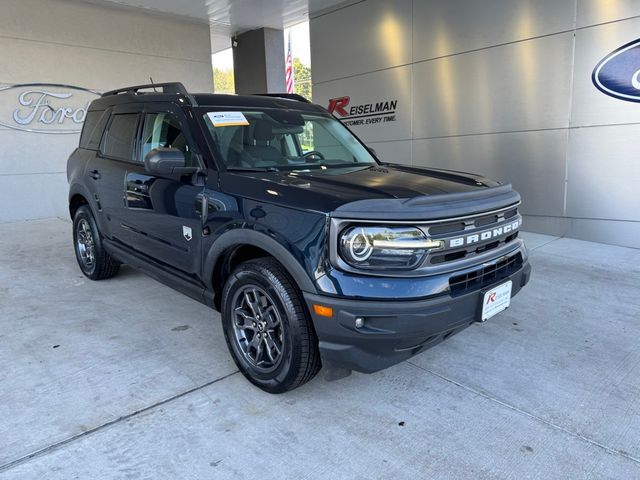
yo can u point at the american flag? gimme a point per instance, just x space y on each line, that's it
289 68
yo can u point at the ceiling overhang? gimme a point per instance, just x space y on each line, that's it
231 17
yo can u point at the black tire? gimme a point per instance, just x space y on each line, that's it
92 258
286 327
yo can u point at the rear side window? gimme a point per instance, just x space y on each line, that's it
118 141
92 129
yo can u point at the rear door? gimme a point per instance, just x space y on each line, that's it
106 170
162 214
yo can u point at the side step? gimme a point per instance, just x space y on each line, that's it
174 280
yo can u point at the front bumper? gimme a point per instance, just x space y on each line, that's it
395 330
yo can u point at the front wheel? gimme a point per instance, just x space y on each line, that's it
267 328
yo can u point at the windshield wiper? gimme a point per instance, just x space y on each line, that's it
252 169
348 165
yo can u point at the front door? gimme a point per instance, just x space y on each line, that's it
163 214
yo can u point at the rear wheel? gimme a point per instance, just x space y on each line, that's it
267 328
92 258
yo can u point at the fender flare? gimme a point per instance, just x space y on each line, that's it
77 188
239 237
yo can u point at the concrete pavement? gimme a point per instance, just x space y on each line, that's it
127 378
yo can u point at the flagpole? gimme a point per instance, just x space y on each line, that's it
289 67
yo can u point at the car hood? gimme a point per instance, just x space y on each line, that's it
331 189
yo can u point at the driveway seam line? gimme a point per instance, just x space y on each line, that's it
55 446
608 449
544 244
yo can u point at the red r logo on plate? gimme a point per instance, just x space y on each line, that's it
492 298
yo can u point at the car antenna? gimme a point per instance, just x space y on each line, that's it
151 79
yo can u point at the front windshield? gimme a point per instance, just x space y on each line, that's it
282 139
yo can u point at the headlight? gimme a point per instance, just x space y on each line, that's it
385 247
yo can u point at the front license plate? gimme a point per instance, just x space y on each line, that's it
496 300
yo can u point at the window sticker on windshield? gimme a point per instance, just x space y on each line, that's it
227 119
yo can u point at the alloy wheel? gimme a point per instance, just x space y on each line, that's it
257 326
85 243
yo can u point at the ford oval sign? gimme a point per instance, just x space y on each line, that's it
618 74
44 107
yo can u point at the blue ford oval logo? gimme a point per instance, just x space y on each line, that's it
618 74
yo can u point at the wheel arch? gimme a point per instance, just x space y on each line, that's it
75 202
78 196
236 246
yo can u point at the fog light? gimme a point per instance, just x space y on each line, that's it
359 322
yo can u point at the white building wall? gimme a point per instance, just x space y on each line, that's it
84 45
502 88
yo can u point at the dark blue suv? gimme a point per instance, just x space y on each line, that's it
268 209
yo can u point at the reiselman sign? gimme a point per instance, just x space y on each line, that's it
380 111
44 107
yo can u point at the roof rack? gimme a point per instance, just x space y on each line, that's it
288 96
168 87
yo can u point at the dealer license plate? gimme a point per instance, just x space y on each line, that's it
496 300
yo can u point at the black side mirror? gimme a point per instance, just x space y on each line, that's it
372 152
166 161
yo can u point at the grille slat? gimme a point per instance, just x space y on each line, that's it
485 276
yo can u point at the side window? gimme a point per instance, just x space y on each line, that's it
92 129
118 141
161 130
306 138
323 139
289 145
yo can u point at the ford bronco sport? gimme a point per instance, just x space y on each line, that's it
268 209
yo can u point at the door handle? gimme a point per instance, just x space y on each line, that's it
204 208
95 174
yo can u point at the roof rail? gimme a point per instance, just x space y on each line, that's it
289 96
168 87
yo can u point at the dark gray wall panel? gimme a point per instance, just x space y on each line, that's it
604 173
258 60
362 38
503 88
534 162
592 12
557 226
520 86
393 152
626 234
384 85
445 27
590 105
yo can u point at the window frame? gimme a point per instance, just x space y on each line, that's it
177 115
103 120
143 125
